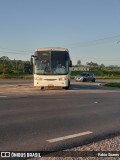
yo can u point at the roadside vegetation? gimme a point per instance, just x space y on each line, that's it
101 74
15 68
112 85
24 69
100 71
98 74
16 75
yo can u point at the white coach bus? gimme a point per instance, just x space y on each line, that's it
51 67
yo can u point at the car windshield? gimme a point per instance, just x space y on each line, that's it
83 74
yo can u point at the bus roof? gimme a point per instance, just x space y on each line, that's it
52 49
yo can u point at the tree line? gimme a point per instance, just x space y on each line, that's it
14 66
19 66
95 66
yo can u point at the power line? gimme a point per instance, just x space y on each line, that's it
95 42
9 49
15 52
74 45
118 42
78 43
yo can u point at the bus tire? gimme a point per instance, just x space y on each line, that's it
68 85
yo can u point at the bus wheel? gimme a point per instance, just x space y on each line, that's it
42 88
68 85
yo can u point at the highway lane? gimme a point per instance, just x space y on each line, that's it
28 122
15 81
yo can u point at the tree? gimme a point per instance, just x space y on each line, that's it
78 62
4 58
14 66
92 64
102 66
5 65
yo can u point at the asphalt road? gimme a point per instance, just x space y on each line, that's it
56 120
15 81
29 81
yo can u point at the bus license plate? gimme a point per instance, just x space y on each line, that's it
50 85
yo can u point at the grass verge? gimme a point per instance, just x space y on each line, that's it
24 76
112 85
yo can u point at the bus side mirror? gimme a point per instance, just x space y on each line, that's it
33 58
70 63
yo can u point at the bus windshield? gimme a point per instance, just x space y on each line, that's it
51 63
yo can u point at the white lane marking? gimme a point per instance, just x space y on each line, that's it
69 136
3 96
96 102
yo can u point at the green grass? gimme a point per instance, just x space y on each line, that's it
101 73
112 85
107 77
103 77
26 76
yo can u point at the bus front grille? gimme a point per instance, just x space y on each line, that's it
50 79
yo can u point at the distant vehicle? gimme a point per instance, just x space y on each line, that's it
85 77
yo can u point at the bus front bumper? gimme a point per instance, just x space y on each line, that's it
51 82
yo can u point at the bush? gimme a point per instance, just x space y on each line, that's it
103 73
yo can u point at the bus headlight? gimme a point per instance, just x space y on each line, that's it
63 78
38 78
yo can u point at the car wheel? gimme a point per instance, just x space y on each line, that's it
93 80
84 80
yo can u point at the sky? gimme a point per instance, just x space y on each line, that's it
90 29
